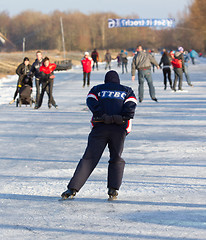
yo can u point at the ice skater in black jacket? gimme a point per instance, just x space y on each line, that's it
166 61
22 71
113 106
34 71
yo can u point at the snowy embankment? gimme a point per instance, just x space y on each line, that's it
163 194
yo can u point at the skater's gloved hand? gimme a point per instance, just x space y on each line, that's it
19 86
118 119
107 119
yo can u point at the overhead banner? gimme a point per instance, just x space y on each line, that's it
114 23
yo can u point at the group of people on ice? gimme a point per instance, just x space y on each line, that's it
176 60
113 106
89 63
142 61
42 70
179 61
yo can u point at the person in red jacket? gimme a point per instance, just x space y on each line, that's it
87 68
178 66
47 78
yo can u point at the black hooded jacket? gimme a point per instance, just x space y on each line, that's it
165 60
34 71
22 71
112 98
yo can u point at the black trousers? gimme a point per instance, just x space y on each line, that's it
167 74
37 83
48 87
101 136
95 62
86 75
17 90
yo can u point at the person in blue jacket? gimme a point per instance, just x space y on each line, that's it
193 55
113 106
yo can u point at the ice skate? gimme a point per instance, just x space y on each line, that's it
154 99
70 193
112 194
12 101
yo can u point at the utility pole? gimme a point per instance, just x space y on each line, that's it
103 33
63 43
24 44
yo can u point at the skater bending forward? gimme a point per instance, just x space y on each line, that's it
113 106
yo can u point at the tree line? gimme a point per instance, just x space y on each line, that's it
85 32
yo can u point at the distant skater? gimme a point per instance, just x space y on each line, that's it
166 61
178 66
95 58
87 68
142 63
193 55
124 60
108 59
186 68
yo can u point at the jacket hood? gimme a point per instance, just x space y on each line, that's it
112 76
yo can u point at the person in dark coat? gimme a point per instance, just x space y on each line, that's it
35 72
113 107
166 61
95 58
22 71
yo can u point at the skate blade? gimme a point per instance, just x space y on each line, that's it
66 198
112 198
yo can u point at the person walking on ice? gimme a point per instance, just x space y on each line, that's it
142 62
166 61
113 106
34 71
178 66
22 71
186 67
108 59
87 68
95 58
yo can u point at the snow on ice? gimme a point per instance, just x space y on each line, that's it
163 194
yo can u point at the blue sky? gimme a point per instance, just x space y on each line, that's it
142 8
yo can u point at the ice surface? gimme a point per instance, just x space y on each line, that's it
163 194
